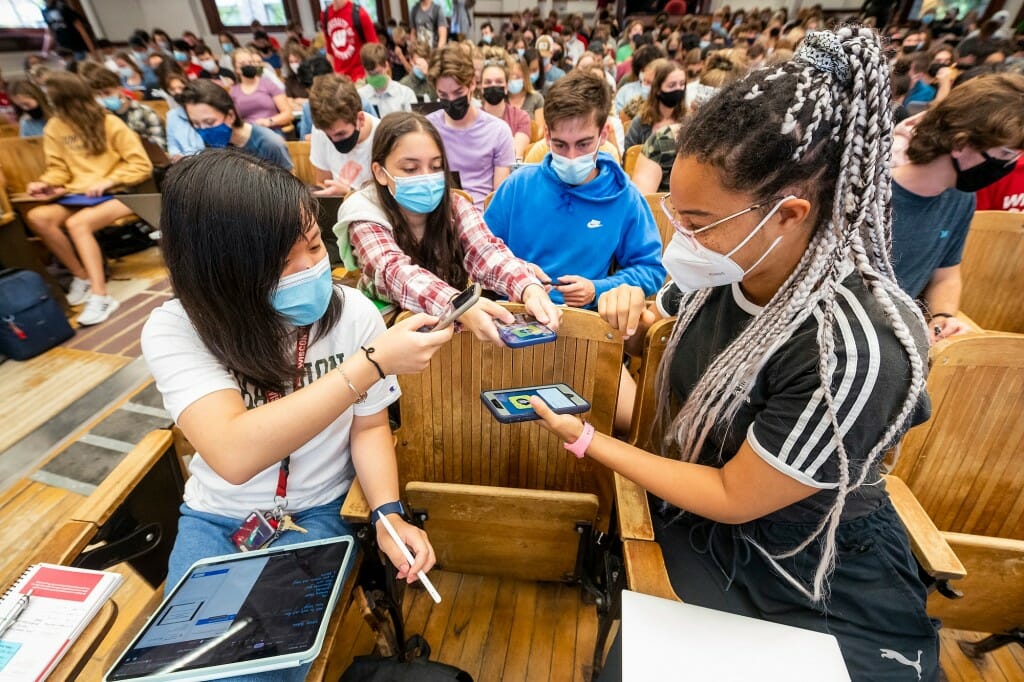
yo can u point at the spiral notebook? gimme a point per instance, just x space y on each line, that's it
63 601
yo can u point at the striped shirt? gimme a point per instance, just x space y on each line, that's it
784 418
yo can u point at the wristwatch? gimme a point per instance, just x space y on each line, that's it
388 508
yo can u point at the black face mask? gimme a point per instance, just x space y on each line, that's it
250 71
989 171
456 108
933 69
347 144
493 94
36 113
672 98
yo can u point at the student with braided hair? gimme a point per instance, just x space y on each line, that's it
795 363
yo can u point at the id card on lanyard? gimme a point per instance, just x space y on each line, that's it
261 528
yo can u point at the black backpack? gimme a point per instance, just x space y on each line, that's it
31 320
413 665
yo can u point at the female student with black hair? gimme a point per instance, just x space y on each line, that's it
271 371
212 113
795 363
88 151
418 244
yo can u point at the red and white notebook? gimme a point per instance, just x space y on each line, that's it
63 601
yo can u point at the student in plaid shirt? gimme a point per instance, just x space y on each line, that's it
140 118
418 244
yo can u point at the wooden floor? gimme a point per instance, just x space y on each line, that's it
1003 665
496 629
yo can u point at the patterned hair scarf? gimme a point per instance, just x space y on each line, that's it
824 51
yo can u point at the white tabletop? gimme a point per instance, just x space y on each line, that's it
669 640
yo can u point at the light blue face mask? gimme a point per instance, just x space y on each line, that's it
113 102
418 72
574 171
515 86
303 297
419 193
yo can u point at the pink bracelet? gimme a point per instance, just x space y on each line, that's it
580 445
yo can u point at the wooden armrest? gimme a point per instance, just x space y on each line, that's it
65 543
975 327
356 509
645 569
633 511
930 549
98 507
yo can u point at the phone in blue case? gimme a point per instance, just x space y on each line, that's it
524 331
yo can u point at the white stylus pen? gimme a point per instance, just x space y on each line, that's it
431 590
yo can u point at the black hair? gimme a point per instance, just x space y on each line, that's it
228 222
644 56
181 45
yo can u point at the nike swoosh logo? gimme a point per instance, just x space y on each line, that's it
595 224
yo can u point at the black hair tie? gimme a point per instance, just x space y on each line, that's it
369 352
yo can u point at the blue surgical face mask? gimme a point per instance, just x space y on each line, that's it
113 102
487 39
515 86
520 51
226 48
645 90
574 171
217 136
419 193
126 72
705 44
180 56
303 297
418 72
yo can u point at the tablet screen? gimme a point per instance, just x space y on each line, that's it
246 608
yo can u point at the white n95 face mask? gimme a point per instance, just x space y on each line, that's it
693 266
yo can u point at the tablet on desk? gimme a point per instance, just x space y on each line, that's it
241 614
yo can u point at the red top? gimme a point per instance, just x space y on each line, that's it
343 43
1005 195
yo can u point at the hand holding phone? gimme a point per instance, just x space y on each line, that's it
513 405
459 305
524 331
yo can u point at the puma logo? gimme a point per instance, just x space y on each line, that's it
903 660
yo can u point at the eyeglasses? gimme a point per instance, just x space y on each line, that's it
1007 163
670 213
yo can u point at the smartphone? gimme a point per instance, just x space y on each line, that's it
458 305
524 331
512 405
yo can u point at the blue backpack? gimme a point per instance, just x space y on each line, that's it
31 320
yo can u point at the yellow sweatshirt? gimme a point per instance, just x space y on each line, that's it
69 165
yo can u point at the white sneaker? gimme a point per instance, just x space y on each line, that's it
97 309
79 291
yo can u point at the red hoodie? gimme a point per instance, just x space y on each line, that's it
342 39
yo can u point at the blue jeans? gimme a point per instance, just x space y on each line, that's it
202 535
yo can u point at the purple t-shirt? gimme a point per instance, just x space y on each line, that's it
257 104
475 151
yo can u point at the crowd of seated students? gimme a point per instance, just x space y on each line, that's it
726 106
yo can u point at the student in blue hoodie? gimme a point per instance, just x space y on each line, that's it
577 215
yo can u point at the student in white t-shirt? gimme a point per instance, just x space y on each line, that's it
250 273
342 137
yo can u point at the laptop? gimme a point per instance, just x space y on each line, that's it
705 644
241 614
146 206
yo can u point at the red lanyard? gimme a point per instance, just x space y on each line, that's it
300 360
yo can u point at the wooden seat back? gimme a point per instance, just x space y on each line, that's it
992 273
993 589
645 407
448 436
665 227
302 168
964 465
23 161
629 160
514 532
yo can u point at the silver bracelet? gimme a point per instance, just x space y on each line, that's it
360 397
